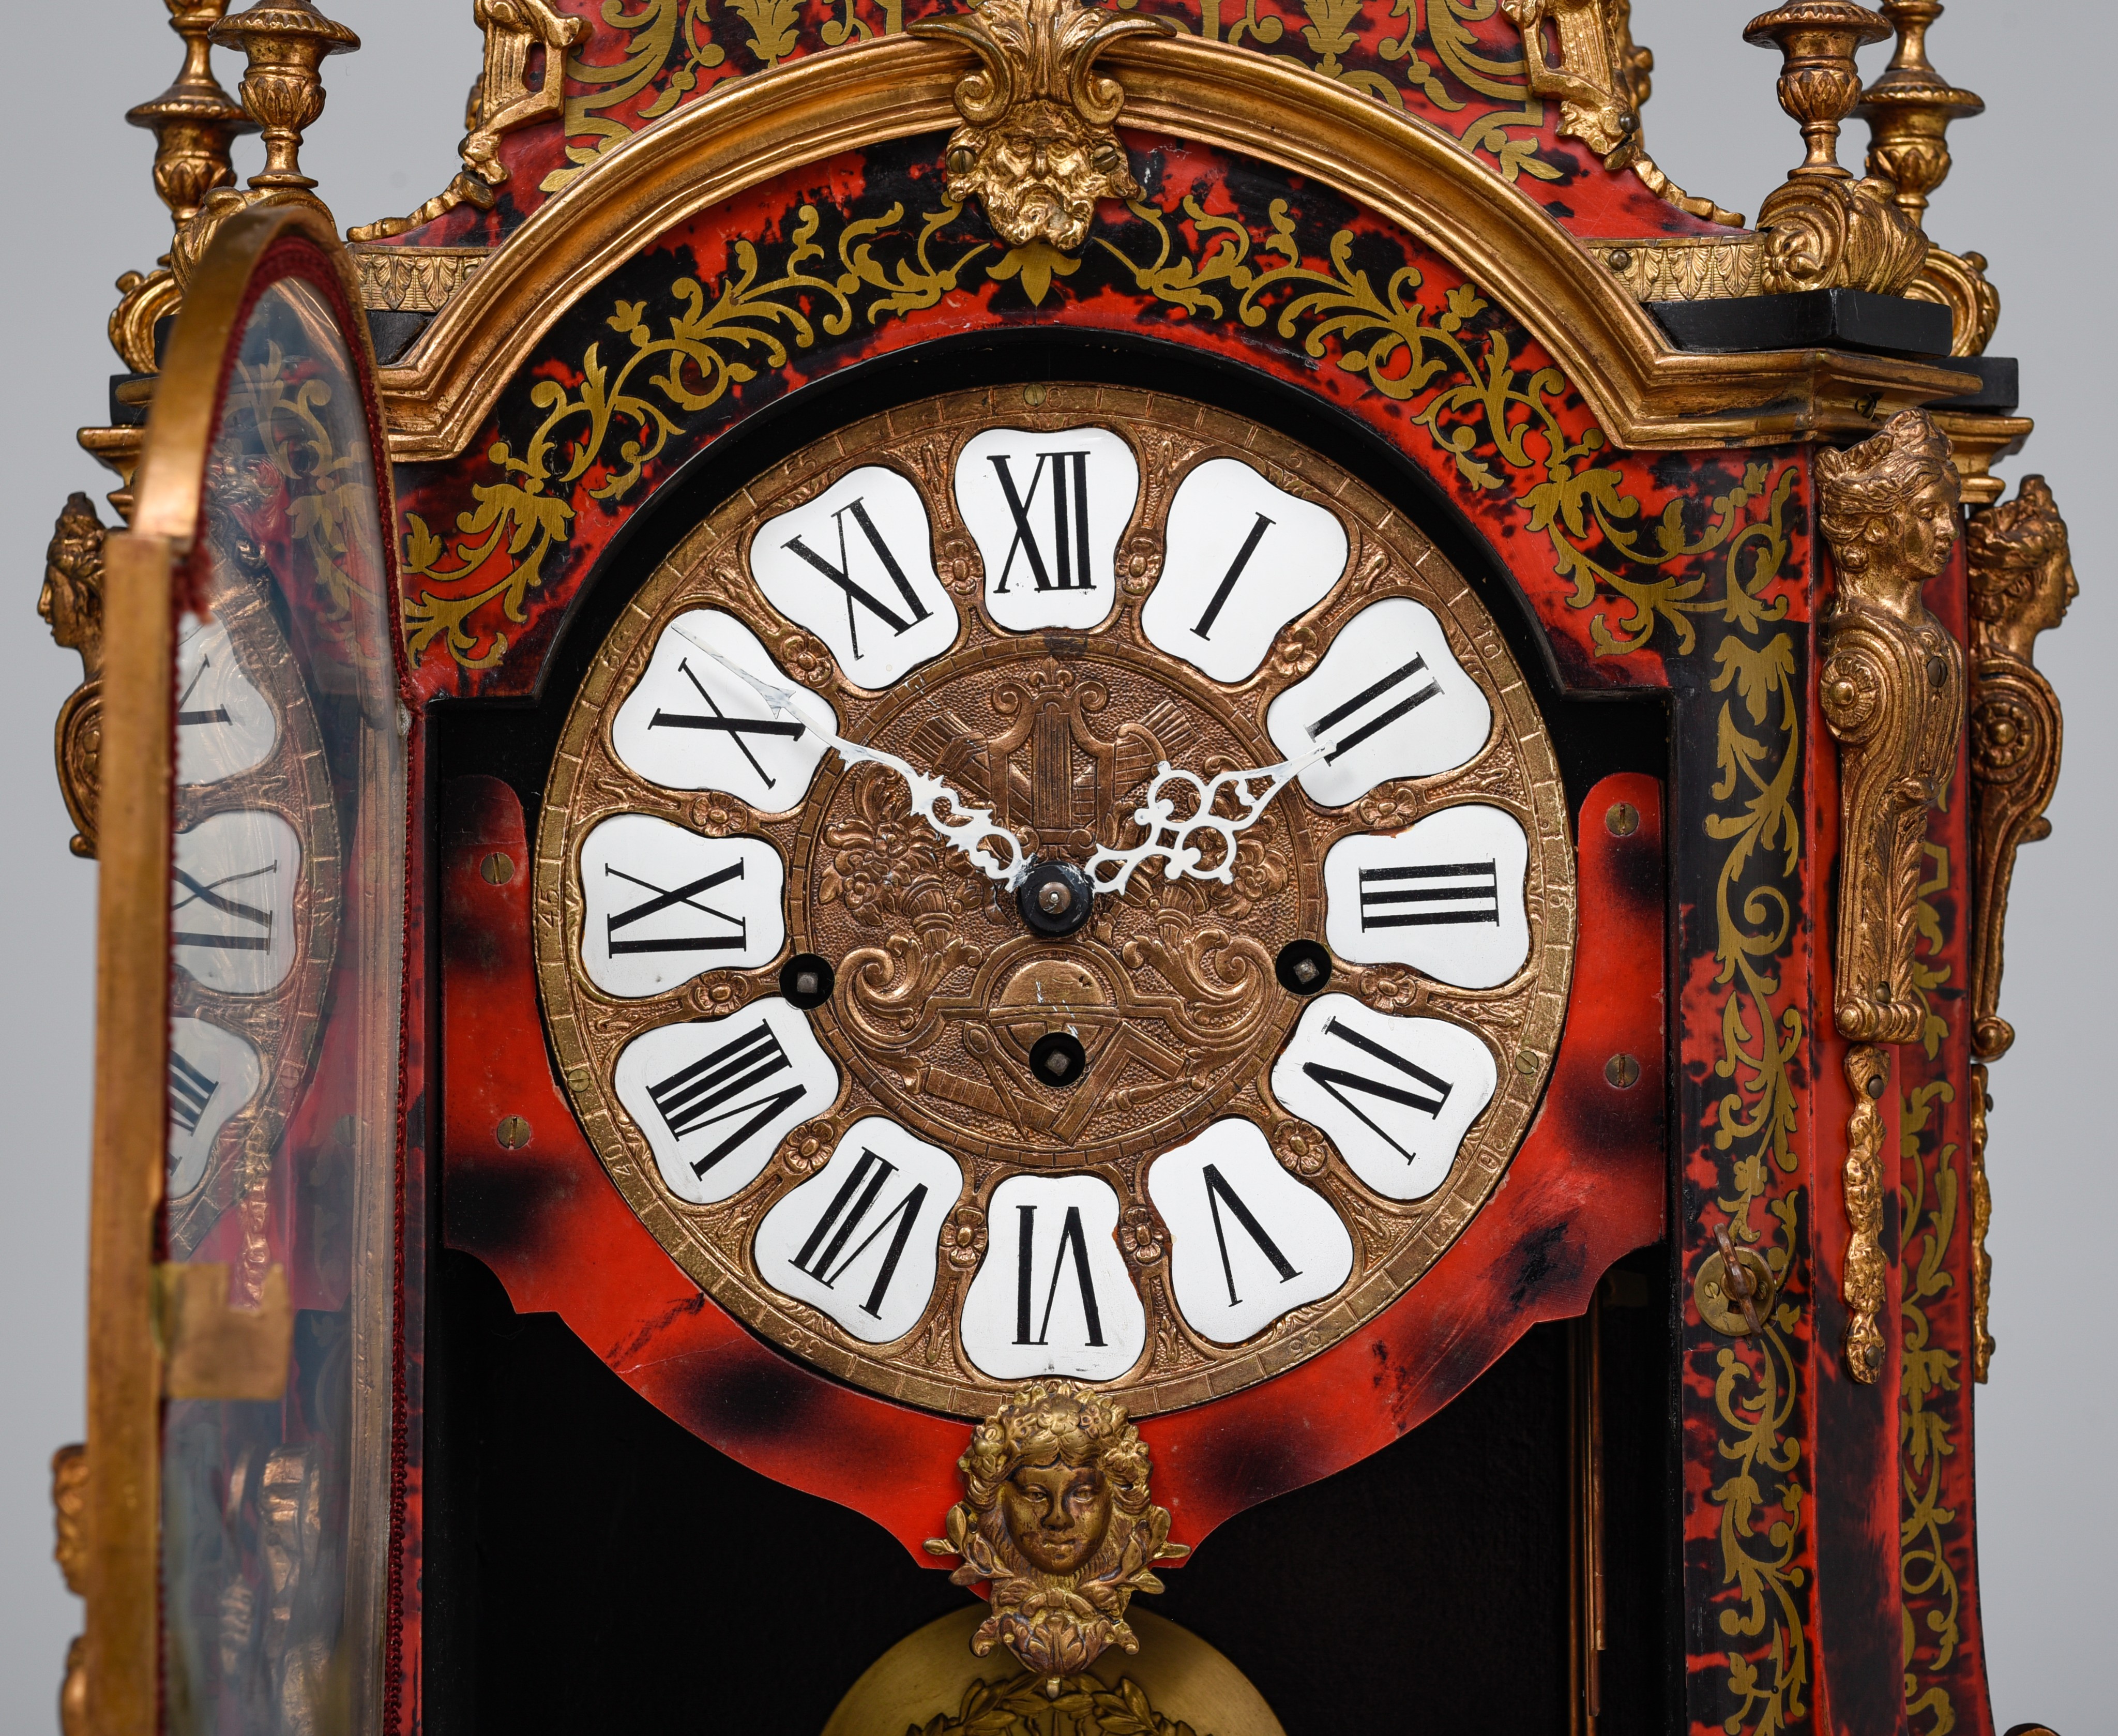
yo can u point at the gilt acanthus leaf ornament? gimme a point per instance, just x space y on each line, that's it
1037 148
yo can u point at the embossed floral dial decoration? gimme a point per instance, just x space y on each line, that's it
1234 1111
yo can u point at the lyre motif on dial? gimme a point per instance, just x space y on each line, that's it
1156 1134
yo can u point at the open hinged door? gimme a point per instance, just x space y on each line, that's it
241 1370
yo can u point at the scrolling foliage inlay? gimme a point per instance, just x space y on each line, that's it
670 356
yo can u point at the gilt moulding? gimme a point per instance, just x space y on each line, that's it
1644 393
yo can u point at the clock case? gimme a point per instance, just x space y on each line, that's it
1558 1484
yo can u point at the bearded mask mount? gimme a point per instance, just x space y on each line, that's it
1037 149
1055 1519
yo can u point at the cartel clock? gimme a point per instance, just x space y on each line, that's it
1055 882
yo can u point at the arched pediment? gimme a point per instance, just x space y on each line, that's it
1644 393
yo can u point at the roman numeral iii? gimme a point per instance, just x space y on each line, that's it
1425 897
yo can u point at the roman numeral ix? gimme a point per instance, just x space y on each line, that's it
819 1258
1382 719
1393 897
693 1097
1219 1192
842 575
1069 570
1427 1096
664 898
1071 1241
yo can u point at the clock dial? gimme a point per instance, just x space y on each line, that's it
938 1134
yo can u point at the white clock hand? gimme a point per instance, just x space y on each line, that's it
1169 835
968 834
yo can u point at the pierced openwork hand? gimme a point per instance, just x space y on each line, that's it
1170 836
970 834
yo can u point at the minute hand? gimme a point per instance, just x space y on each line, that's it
970 834
1168 835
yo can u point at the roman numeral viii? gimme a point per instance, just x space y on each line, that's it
819 1255
665 898
1426 1093
705 1094
1412 897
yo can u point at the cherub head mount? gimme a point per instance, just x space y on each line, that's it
1055 1518
1037 148
2022 570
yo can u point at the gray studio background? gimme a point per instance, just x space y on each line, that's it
2027 191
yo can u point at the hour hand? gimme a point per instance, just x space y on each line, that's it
974 831
1169 834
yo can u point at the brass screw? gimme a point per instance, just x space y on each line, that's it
497 869
1526 1063
513 1133
1622 1072
1621 820
1033 395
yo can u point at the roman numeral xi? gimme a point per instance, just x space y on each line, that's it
842 575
